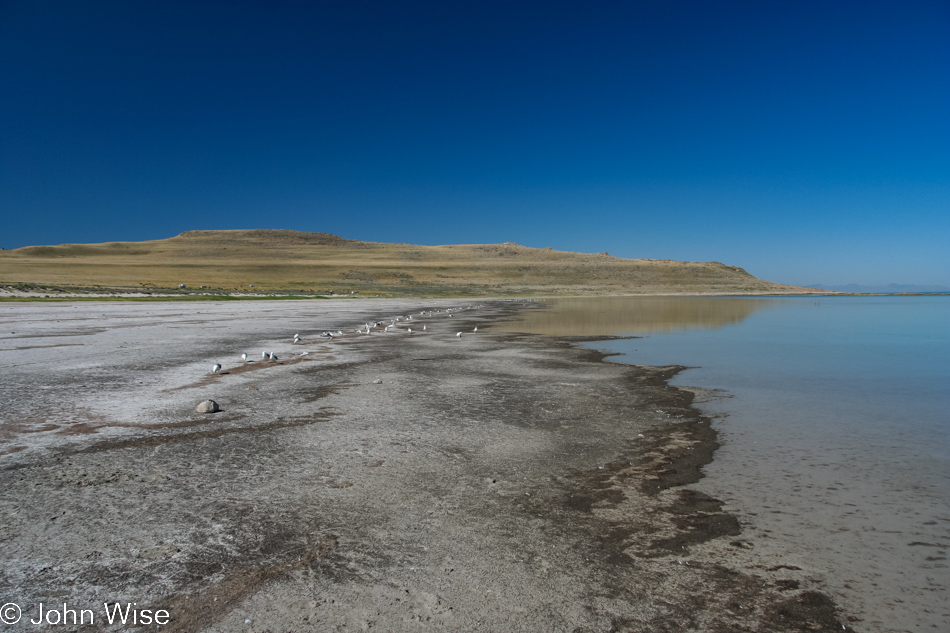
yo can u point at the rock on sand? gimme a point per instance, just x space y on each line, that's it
208 406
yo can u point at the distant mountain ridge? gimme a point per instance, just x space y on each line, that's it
887 289
267 260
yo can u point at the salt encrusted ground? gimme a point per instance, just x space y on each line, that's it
391 482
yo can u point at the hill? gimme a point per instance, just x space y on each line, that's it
321 263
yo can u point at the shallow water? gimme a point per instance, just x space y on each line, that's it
836 431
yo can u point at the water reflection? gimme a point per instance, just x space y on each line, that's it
597 316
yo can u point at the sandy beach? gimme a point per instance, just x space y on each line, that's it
394 481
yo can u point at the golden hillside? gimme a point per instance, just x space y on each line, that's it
281 260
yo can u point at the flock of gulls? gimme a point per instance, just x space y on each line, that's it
378 327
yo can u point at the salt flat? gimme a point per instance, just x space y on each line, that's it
398 481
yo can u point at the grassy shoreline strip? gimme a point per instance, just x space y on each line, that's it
165 298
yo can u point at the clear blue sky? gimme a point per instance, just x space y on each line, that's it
807 141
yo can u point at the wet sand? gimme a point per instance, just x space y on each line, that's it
834 468
392 481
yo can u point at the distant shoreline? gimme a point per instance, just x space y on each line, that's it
58 295
15 295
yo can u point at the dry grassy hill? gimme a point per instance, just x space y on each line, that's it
280 261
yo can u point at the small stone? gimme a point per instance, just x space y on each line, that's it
377 382
208 406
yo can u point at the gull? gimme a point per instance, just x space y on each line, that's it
244 357
273 356
423 328
459 335
265 355
410 330
215 368
296 338
476 329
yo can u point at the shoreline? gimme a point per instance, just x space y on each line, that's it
822 466
56 294
497 481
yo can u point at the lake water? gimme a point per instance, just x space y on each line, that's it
835 423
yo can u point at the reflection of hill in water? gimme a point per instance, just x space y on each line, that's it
597 316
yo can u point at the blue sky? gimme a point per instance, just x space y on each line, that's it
805 141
